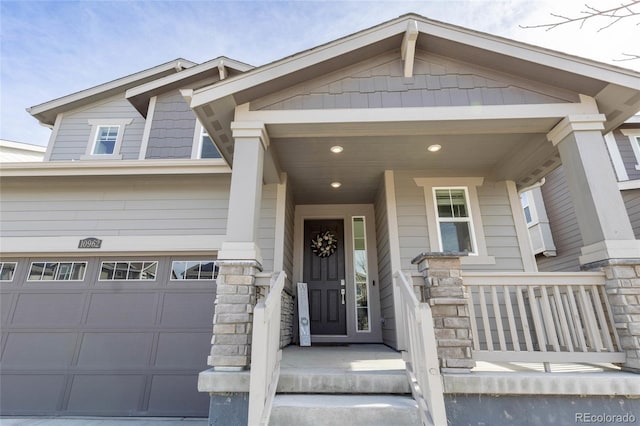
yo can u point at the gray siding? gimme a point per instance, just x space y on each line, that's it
632 202
385 274
412 220
380 82
74 132
172 128
628 157
267 225
289 225
563 223
115 205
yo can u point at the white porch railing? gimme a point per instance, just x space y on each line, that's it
265 353
541 317
421 356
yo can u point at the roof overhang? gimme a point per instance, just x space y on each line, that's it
47 112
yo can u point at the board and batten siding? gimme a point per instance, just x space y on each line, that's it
385 273
497 219
172 128
631 198
73 134
114 205
379 82
563 223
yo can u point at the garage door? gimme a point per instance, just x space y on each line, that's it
119 336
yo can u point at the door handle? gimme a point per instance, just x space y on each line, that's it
342 292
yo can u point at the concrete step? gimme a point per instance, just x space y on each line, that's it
326 380
340 410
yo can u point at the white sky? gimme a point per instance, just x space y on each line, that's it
52 48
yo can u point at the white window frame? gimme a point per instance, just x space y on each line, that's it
480 256
128 262
634 140
15 267
201 262
198 136
526 201
84 272
355 283
468 219
96 125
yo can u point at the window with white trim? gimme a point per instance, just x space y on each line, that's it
57 271
203 146
7 270
455 227
128 270
527 208
105 139
634 140
194 270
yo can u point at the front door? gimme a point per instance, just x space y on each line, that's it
324 274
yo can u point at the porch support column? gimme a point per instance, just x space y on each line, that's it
610 244
447 297
601 213
239 258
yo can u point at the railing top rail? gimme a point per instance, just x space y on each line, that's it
536 278
275 290
407 287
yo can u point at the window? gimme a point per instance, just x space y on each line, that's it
453 217
7 269
105 139
194 270
455 231
203 146
634 140
526 207
361 275
57 271
128 270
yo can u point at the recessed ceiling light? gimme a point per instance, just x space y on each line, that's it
336 184
434 148
337 149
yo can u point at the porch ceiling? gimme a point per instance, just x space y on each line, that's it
311 166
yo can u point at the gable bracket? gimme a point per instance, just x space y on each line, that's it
408 48
222 70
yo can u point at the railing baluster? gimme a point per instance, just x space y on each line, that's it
485 319
548 319
512 321
564 327
498 318
603 327
474 322
592 332
537 320
575 315
611 323
526 330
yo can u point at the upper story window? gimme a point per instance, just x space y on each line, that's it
105 140
57 271
194 270
128 270
203 146
634 140
526 207
455 228
7 270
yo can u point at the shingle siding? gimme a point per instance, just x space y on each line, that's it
172 129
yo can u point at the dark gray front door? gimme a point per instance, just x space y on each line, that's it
324 275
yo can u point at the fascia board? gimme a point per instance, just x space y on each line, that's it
114 168
193 71
37 110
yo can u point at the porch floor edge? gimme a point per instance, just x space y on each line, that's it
534 383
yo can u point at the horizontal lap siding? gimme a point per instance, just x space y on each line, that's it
289 224
385 273
628 157
267 225
412 219
172 128
159 205
73 134
632 202
563 223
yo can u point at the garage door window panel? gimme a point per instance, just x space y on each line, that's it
128 271
7 270
182 270
57 271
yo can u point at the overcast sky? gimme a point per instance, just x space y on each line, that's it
50 49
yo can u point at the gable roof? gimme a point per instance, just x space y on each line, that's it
47 112
615 89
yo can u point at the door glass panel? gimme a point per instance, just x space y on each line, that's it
361 274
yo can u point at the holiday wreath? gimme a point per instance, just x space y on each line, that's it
324 244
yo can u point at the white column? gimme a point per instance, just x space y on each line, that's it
601 213
251 141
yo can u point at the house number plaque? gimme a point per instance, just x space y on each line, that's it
90 243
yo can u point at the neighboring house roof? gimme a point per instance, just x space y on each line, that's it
616 90
11 152
47 112
197 76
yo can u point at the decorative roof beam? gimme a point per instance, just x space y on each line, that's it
222 70
408 48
